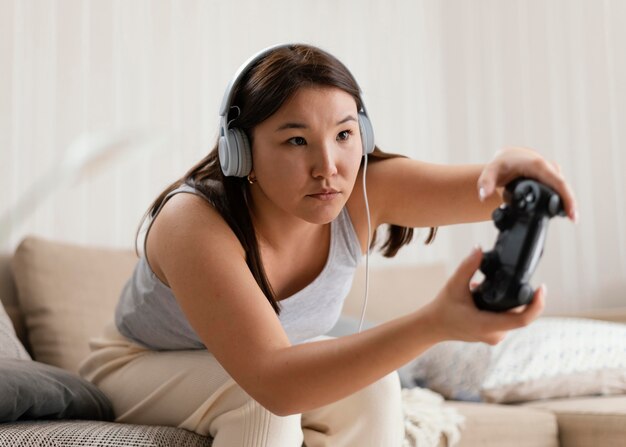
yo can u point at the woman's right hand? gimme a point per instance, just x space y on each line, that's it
454 316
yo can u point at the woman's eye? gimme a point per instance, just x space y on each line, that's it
297 141
344 135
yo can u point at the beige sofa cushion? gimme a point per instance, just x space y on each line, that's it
590 421
67 294
489 425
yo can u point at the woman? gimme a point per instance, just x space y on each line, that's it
219 329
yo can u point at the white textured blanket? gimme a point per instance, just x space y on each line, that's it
427 421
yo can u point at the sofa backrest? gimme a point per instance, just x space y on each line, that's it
67 294
60 295
394 291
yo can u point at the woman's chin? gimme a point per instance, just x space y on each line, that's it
323 216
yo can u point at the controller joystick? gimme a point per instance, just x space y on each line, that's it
502 218
522 222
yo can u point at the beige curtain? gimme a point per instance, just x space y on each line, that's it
444 81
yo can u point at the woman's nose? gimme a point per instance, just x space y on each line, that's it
325 164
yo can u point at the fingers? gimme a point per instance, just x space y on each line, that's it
465 321
533 309
522 162
550 174
504 167
487 182
521 316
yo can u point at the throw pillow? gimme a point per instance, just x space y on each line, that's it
33 390
10 346
550 358
67 294
453 369
8 299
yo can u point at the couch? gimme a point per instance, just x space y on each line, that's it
59 295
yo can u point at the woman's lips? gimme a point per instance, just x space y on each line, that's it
329 195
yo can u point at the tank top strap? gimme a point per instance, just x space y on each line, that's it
184 188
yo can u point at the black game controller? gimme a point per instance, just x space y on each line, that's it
523 223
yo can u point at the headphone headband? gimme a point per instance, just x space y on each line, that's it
239 74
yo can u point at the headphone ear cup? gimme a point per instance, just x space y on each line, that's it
367 133
234 153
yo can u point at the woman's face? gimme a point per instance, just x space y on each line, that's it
306 156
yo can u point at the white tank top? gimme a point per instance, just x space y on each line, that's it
149 314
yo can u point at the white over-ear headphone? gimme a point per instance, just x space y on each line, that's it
235 153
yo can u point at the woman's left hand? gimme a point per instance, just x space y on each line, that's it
510 163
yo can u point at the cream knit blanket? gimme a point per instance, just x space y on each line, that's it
427 422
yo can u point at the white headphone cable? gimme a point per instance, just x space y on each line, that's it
367 251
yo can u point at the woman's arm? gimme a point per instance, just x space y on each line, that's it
205 266
411 193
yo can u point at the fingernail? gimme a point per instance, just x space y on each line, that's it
482 194
575 215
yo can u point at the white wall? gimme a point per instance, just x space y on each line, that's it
444 81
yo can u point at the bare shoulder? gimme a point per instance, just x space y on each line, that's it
205 267
184 221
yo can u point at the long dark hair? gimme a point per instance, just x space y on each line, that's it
261 91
